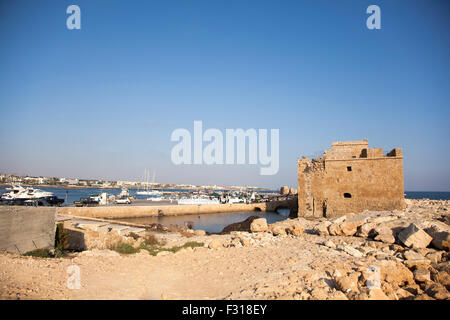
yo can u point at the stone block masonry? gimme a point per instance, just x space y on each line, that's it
24 229
350 178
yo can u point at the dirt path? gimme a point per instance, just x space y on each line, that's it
199 274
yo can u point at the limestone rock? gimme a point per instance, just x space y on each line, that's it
321 228
215 244
415 237
330 244
245 242
372 294
366 230
437 291
412 255
335 230
435 257
295 230
278 230
441 238
385 237
259 225
349 228
441 277
162 253
353 252
284 190
395 273
347 283
421 275
100 253
200 232
417 263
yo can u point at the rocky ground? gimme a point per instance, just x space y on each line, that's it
374 255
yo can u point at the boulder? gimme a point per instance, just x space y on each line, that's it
395 273
347 283
284 190
421 275
441 238
295 230
437 291
245 242
334 229
417 263
372 294
412 255
215 244
200 232
330 244
278 230
435 257
240 226
366 230
349 228
259 225
385 237
414 237
321 228
353 252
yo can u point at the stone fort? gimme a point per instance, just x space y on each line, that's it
350 178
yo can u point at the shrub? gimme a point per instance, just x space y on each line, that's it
124 248
151 240
61 237
39 253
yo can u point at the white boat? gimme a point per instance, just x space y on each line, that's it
19 195
28 193
123 193
155 199
195 201
147 191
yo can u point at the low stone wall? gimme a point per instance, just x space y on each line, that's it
23 229
173 210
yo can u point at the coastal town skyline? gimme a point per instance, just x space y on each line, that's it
102 101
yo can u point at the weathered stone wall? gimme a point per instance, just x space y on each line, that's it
342 182
23 229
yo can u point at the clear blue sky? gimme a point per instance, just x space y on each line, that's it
101 102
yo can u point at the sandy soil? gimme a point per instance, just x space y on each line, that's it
243 266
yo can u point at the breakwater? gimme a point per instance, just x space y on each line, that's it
173 210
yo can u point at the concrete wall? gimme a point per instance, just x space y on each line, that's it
345 183
149 211
23 229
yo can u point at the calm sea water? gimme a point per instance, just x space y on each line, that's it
211 222
432 195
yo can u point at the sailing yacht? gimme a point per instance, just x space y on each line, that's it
147 191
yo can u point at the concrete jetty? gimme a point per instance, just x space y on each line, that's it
174 210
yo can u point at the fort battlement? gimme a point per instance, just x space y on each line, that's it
350 178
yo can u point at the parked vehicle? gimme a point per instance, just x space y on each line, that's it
124 200
86 202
